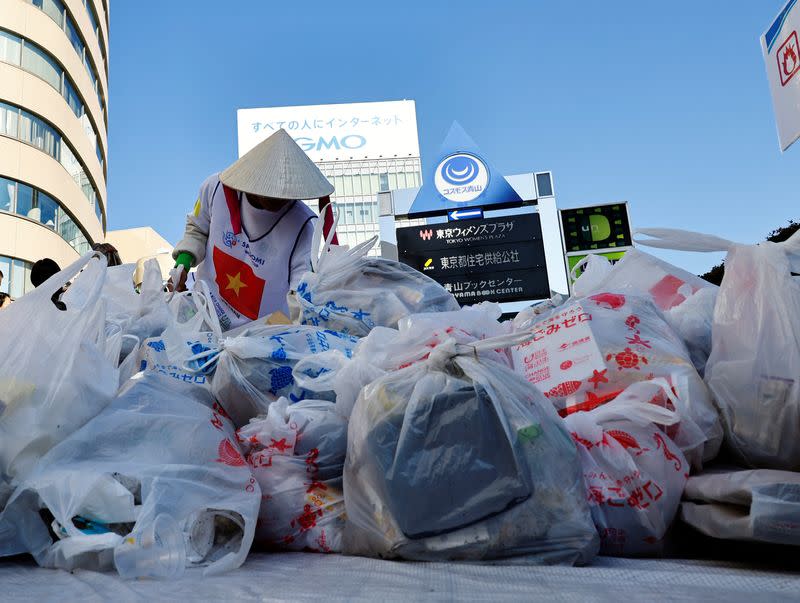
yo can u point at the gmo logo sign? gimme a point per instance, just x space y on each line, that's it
461 177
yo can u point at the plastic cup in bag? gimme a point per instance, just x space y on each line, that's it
158 551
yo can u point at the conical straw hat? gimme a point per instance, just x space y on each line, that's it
278 168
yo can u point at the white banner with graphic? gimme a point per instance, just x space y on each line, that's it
781 48
337 132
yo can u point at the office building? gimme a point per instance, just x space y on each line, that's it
53 133
362 148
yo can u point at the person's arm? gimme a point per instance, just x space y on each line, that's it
191 249
300 260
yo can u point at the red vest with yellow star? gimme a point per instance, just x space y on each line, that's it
248 278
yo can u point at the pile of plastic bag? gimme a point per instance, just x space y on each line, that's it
387 421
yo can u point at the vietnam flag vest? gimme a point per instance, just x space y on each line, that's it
248 278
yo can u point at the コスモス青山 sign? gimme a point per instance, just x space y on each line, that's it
461 178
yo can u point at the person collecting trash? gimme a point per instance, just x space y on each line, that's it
250 233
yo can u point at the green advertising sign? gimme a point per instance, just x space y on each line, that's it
597 227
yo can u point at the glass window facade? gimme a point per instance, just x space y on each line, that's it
10 48
54 9
39 63
357 184
30 57
38 133
16 276
23 200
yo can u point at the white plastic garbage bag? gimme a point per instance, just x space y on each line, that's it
754 367
193 329
162 447
253 366
460 458
349 292
760 505
297 455
133 317
55 374
686 300
593 348
387 349
634 474
692 322
640 273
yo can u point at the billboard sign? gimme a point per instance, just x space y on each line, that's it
780 46
462 178
497 259
337 132
596 227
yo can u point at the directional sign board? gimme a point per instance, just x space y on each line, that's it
496 259
455 215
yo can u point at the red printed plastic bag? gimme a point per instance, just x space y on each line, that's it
755 353
297 455
639 273
634 473
591 349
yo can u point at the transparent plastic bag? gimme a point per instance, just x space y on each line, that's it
761 505
349 292
297 455
634 473
55 372
162 447
254 366
193 329
639 273
458 458
755 354
593 348
387 349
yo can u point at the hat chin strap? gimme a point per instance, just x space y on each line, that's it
328 221
232 199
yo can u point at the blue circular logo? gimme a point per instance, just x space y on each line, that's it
460 170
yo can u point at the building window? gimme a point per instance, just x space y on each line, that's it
9 120
38 133
8 192
74 37
10 48
48 210
23 200
16 276
38 63
53 9
544 184
383 184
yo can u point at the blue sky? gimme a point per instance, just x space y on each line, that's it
663 104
